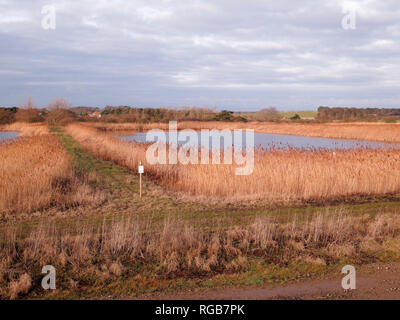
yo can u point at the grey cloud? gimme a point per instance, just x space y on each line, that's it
236 54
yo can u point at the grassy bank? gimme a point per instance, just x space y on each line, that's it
94 258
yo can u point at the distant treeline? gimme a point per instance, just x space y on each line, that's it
143 115
56 112
60 112
354 114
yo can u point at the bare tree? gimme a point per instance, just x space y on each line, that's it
269 110
29 104
28 112
58 104
268 114
59 112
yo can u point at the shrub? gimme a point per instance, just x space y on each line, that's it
60 117
59 113
6 116
224 115
268 114
29 115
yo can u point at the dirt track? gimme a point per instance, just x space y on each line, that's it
373 282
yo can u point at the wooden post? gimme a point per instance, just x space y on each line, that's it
141 170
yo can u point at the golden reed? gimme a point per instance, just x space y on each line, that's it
278 175
26 129
36 173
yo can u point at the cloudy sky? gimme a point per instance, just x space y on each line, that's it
242 55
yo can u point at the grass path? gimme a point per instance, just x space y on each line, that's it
114 177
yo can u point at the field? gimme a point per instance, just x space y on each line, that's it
302 114
69 198
306 115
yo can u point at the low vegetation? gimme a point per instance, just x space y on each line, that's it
89 259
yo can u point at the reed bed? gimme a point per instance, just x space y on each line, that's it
90 256
359 131
26 129
279 175
36 173
117 127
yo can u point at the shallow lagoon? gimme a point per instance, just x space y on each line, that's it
281 141
8 135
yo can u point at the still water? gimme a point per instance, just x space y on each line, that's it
281 141
7 135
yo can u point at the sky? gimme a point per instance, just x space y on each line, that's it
237 55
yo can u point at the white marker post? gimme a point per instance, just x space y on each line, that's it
141 171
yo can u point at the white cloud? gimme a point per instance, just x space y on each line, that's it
91 21
213 42
8 19
379 45
149 14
